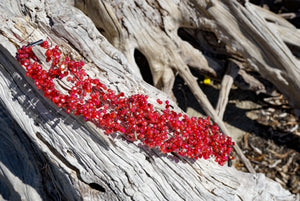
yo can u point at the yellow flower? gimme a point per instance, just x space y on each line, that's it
207 80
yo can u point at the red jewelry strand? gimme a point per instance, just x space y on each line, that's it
132 116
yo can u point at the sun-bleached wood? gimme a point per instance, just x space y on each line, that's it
49 154
251 33
235 26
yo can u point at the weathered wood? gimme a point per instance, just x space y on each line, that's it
246 31
226 84
65 158
166 52
265 51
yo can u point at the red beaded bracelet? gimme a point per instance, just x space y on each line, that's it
133 116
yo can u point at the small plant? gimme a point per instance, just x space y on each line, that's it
133 116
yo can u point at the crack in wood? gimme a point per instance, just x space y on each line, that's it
93 185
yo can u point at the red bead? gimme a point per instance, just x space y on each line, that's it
45 44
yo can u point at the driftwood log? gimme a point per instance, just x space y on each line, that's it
46 154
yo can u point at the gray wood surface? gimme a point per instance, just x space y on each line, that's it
46 154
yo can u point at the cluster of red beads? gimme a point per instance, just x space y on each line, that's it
132 116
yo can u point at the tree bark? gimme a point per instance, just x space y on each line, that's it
47 154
